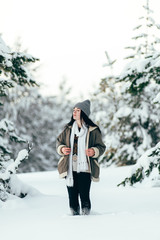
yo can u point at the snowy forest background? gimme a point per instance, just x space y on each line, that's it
126 107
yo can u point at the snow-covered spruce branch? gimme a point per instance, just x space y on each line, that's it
143 168
11 169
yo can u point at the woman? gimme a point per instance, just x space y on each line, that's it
80 145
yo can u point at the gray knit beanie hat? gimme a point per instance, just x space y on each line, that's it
84 106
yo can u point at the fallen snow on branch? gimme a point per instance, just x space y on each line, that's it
11 169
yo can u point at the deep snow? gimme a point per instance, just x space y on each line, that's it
118 213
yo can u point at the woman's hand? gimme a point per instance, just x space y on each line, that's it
90 152
66 150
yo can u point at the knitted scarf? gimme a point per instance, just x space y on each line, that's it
82 165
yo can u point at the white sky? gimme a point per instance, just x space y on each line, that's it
71 36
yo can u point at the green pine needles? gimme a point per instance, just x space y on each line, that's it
144 167
13 72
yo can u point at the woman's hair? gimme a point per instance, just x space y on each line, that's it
86 119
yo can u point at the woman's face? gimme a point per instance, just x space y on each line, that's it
76 113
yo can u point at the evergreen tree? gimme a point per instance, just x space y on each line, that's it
147 168
13 72
39 120
105 102
147 32
135 126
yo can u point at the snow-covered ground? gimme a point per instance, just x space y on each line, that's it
117 213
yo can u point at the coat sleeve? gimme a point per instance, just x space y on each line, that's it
61 142
97 143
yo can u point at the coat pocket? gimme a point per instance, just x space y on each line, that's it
95 169
60 160
63 165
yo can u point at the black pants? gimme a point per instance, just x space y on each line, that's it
81 188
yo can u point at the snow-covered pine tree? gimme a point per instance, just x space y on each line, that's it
13 71
18 101
39 120
47 120
137 119
147 32
146 169
106 102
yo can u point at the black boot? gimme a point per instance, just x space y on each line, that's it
85 211
75 212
